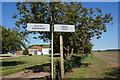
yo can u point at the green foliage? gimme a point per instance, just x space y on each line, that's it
88 23
14 15
66 64
27 62
98 50
12 40
69 64
47 69
81 56
25 52
88 47
79 51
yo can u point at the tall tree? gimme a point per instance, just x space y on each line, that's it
12 40
0 40
88 23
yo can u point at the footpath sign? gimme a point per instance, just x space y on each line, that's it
57 28
38 27
64 28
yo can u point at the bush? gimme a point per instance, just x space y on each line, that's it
69 64
25 52
66 65
57 64
98 50
81 56
30 54
47 69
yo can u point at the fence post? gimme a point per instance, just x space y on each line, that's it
61 56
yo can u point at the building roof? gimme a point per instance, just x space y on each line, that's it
39 49
35 47
46 46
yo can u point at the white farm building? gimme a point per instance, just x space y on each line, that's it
36 50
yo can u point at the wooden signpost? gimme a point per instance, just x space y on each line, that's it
57 28
61 56
63 28
38 27
43 27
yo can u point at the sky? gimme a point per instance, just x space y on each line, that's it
108 40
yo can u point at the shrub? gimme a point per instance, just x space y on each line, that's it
30 54
47 69
25 52
66 64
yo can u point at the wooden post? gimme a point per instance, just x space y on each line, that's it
61 56
52 51
54 71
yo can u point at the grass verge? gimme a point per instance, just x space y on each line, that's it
91 67
17 64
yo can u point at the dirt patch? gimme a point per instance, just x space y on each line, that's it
35 75
73 70
113 72
99 62
112 63
26 74
111 66
110 58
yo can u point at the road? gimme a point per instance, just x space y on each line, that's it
2 56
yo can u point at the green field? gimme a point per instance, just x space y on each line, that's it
17 64
94 66
101 65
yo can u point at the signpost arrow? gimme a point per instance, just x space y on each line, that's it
57 28
64 28
38 27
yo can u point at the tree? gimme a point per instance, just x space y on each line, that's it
88 47
12 40
0 40
87 23
25 52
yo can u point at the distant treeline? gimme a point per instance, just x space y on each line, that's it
112 49
107 50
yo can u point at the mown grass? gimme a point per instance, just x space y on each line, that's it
85 71
78 73
17 64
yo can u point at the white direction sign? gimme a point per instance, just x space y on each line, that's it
64 28
38 27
